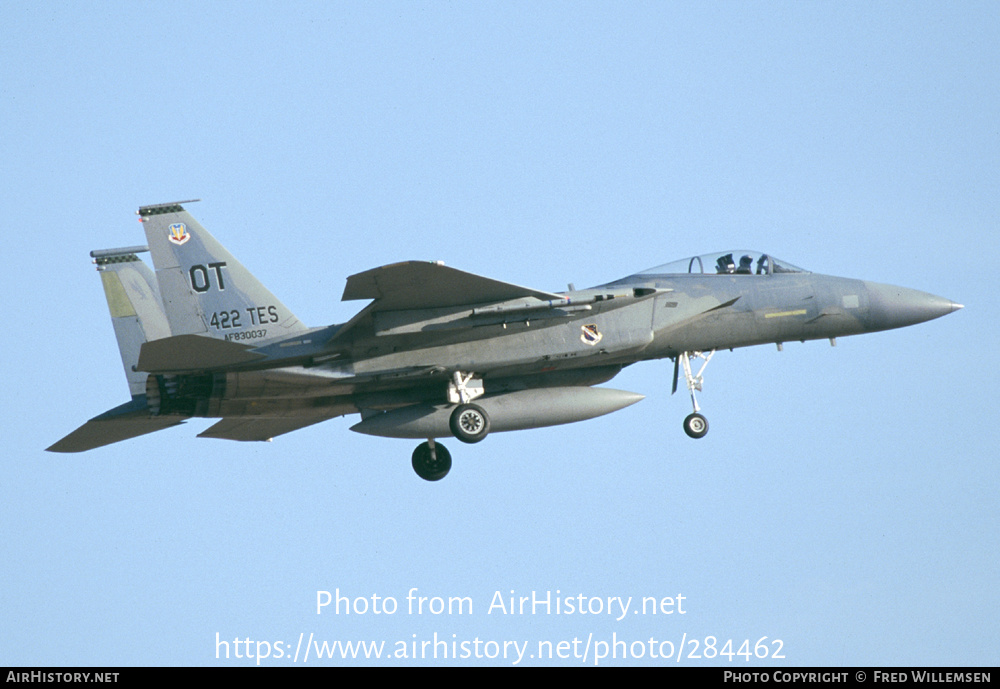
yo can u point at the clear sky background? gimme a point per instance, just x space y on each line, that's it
845 500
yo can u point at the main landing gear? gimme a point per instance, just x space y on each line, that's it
695 425
469 423
431 461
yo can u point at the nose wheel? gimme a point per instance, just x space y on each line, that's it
695 424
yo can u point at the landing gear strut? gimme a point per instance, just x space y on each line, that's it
469 423
695 425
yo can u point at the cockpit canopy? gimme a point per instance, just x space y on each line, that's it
726 263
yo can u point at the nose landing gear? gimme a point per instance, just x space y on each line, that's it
695 424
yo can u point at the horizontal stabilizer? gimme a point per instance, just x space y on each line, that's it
258 429
425 285
193 353
129 420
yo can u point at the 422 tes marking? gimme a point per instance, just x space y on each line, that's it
255 315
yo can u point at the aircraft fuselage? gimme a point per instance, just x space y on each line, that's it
567 347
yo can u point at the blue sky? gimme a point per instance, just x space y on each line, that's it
845 499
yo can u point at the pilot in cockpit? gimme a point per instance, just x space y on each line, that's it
725 264
745 266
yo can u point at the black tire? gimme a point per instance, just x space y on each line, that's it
696 425
469 423
431 468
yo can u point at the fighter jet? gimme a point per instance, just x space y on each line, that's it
438 352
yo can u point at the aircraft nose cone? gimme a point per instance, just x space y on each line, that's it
895 307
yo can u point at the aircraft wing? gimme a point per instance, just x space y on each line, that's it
427 285
250 429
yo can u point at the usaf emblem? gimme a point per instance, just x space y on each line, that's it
591 335
178 233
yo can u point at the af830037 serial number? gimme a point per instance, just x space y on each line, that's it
246 335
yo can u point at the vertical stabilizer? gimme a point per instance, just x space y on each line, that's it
205 290
134 302
137 316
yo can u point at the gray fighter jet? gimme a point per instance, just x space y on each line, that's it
439 352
